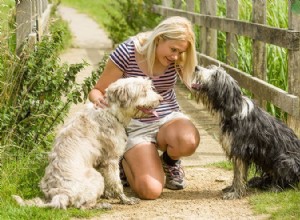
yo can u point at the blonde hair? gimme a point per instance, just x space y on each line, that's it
172 28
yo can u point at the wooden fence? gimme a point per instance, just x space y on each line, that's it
261 34
31 20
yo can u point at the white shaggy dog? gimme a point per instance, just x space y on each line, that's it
84 160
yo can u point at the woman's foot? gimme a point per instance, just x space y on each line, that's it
174 174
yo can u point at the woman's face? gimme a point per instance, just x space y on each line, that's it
168 51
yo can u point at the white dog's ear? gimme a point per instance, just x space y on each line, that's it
119 94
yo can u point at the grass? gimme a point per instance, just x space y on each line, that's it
276 16
24 175
7 12
278 205
283 205
5 7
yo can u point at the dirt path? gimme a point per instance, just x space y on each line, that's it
202 198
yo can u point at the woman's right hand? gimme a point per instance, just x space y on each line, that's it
98 99
110 74
100 102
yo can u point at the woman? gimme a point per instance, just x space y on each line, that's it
162 54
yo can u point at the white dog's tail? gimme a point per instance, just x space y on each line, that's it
58 202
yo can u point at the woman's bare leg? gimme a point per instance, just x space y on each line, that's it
144 171
179 138
142 164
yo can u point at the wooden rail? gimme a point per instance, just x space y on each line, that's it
261 34
289 39
287 102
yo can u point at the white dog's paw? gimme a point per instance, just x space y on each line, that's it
130 200
108 194
104 205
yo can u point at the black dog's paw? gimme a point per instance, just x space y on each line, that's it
233 193
227 189
255 182
263 183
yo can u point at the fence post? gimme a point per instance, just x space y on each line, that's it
232 11
23 22
259 55
43 17
208 37
190 5
294 63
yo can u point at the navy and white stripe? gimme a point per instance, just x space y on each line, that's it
124 58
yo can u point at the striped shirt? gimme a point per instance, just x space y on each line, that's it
124 58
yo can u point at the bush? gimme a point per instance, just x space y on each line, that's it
127 18
36 92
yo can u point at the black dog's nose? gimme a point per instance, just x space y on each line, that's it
197 68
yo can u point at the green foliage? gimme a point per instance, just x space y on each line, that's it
22 173
31 103
22 177
128 18
36 91
296 6
120 18
227 165
276 56
34 97
280 206
221 37
9 210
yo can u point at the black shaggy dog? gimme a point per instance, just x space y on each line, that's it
248 135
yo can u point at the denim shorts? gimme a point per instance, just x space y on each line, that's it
140 132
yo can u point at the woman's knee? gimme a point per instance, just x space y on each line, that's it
148 188
188 139
188 146
192 140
